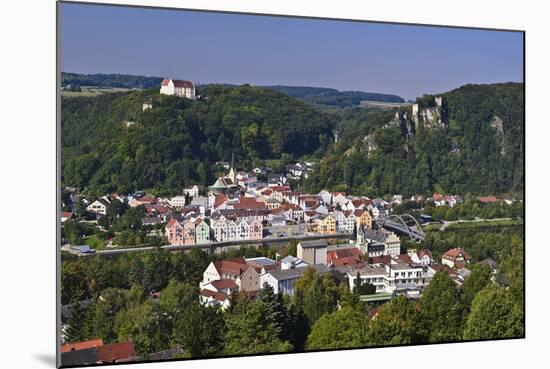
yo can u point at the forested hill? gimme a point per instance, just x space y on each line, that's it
110 144
333 97
479 149
109 80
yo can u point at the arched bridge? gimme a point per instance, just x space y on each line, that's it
402 224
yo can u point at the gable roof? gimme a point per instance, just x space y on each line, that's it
224 283
220 296
249 203
235 266
456 252
178 83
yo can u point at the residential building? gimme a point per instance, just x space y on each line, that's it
176 87
177 202
455 258
396 276
312 252
290 262
202 231
191 190
282 281
99 206
326 224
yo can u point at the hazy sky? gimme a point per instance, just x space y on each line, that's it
262 50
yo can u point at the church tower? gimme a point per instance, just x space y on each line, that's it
232 171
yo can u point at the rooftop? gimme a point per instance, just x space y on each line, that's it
313 244
295 273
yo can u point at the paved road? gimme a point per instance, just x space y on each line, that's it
447 223
215 245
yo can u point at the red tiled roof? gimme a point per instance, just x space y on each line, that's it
219 200
249 203
343 253
66 214
487 199
171 222
454 253
178 83
345 261
81 345
224 283
220 296
385 259
437 196
235 266
338 193
116 352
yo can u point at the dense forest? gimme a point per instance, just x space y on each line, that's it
333 97
178 141
110 144
109 80
478 150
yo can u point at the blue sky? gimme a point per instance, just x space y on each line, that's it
263 50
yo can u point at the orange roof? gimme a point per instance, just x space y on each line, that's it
487 199
81 345
454 253
171 222
249 203
116 352
437 196
220 296
220 200
235 266
343 253
224 283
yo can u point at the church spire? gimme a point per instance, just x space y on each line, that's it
232 171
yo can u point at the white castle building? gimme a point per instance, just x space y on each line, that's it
178 87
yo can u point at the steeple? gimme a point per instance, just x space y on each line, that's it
232 171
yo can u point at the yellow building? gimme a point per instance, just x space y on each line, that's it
327 225
363 217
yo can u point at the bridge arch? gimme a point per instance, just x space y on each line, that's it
414 234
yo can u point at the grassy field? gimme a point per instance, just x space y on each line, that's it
92 91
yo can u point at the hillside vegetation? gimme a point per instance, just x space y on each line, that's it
332 97
480 150
109 144
178 141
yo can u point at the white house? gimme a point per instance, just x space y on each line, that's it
177 201
178 87
192 190
325 196
98 207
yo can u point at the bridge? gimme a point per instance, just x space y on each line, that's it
402 224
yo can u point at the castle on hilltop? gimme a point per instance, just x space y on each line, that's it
176 87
